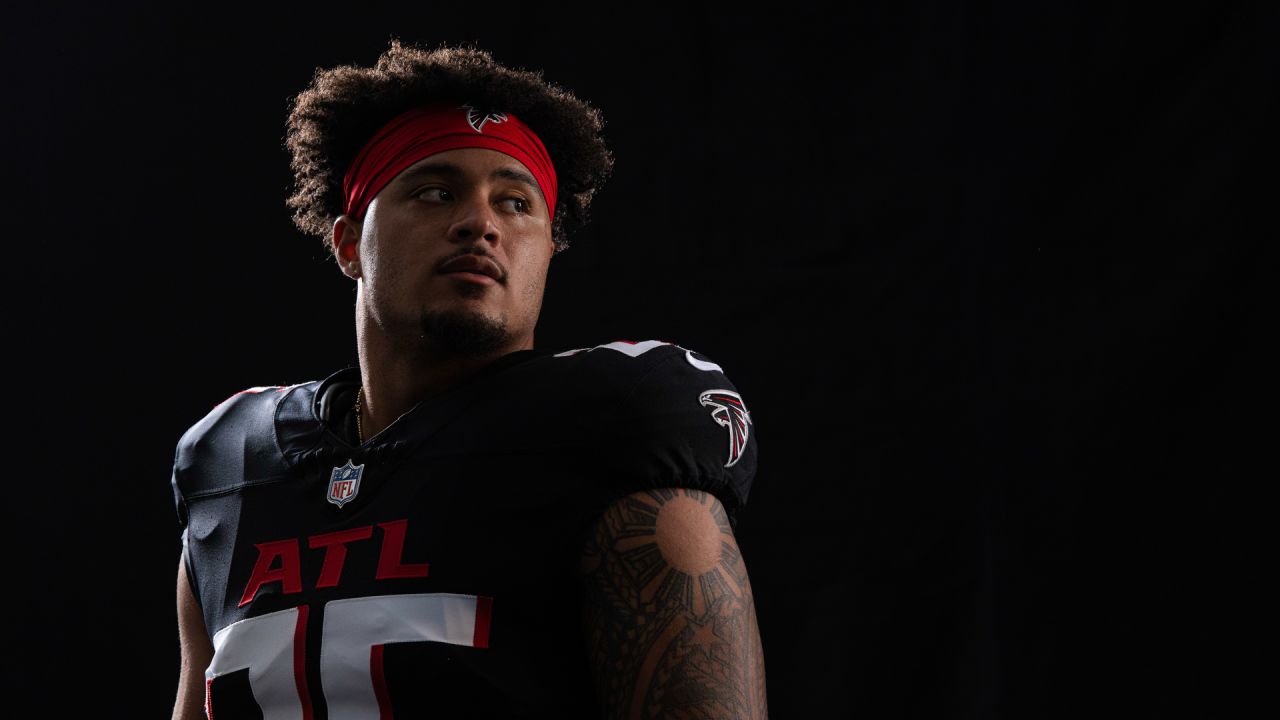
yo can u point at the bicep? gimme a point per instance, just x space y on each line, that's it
197 651
669 615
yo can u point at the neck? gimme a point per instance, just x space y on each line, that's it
397 376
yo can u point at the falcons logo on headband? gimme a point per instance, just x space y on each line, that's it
728 410
476 117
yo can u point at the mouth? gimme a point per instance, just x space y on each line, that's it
473 268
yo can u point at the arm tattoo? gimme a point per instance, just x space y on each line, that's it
669 616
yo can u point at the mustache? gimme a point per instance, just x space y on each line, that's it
476 251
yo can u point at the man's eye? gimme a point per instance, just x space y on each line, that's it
520 205
433 193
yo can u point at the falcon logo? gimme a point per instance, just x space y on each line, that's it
477 117
728 410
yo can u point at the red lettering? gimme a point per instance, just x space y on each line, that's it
390 563
335 552
286 554
289 574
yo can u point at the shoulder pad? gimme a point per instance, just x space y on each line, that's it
626 356
234 445
676 421
631 348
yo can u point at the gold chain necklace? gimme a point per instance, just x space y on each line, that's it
359 429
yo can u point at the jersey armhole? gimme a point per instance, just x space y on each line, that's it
192 581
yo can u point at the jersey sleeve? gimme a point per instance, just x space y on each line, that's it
682 423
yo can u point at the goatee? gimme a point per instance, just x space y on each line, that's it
462 334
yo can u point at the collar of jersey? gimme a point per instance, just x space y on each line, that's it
301 427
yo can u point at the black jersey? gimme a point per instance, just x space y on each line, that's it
433 569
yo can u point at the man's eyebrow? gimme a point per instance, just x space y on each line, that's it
449 170
517 175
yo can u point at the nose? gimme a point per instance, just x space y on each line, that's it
475 219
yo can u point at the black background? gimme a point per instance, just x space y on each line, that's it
989 278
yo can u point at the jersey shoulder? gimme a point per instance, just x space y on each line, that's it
235 444
668 417
632 371
623 363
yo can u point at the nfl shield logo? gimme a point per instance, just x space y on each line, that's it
344 483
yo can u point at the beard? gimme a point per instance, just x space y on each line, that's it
456 333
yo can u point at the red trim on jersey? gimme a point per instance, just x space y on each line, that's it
254 391
390 560
208 698
484 614
379 683
300 661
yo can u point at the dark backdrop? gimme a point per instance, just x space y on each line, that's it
989 279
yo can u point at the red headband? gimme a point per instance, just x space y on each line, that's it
424 131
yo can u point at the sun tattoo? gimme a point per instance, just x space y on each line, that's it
669 616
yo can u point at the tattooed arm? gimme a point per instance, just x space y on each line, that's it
669 617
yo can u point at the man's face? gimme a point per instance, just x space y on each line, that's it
455 251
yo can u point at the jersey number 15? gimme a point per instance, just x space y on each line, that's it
272 648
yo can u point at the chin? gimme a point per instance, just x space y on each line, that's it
462 332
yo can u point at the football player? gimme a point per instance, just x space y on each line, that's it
464 525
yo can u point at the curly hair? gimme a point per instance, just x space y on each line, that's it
344 106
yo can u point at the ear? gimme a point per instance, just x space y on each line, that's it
346 245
